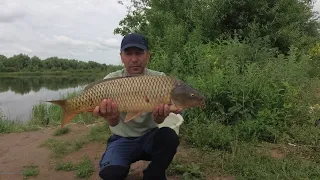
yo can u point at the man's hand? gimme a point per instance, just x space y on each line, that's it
161 112
109 111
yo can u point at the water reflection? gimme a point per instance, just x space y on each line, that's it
23 85
19 94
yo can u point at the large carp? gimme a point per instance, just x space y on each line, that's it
134 95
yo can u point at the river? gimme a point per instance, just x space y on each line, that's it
18 94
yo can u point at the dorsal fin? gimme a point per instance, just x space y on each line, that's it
107 79
100 81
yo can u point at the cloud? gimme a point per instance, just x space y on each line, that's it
75 29
11 11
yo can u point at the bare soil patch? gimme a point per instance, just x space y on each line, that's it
277 153
23 149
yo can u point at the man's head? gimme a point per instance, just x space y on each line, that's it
134 53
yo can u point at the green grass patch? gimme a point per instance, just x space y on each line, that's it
62 131
186 171
248 161
64 166
99 133
9 126
251 163
83 169
61 148
30 170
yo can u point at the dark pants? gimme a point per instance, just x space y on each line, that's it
158 146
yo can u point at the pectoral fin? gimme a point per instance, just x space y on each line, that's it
131 116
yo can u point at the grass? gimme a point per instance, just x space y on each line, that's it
99 133
186 171
62 131
30 170
83 169
9 126
263 163
241 160
244 160
247 161
64 166
61 148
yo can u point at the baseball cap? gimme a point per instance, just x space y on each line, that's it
134 40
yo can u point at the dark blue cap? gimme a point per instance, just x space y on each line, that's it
134 40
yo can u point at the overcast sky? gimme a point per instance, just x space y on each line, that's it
79 29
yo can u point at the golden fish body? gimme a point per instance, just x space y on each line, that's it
133 95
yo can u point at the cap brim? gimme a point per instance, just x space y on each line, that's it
134 45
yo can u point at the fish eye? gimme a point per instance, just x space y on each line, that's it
192 94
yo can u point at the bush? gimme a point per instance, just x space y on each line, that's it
259 96
252 61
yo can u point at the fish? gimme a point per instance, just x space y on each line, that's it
133 95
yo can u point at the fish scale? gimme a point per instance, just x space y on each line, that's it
133 95
134 91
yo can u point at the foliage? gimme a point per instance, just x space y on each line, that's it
282 22
23 63
255 62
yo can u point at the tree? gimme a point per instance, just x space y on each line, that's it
283 22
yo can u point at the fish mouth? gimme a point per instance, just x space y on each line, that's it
202 103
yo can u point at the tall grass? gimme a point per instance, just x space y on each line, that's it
7 125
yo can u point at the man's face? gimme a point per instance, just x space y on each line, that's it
135 60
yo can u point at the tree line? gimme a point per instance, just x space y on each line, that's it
24 63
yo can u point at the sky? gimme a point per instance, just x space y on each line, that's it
79 29
74 29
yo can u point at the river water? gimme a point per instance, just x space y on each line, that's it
18 94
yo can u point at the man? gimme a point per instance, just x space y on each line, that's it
139 139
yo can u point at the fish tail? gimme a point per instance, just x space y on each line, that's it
67 115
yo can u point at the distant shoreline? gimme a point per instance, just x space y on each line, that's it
77 72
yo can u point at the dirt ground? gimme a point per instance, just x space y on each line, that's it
21 149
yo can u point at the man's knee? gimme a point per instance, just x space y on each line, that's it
167 137
114 173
